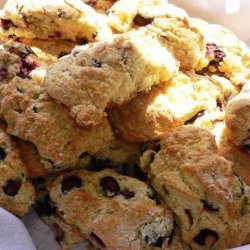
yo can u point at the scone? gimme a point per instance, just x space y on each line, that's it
237 118
33 116
68 236
16 192
114 211
225 53
127 15
209 201
107 74
171 23
48 20
185 99
237 155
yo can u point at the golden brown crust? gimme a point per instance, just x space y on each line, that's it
107 74
137 222
201 189
186 98
33 116
171 23
60 19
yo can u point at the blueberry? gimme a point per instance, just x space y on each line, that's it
127 193
2 154
12 187
70 182
110 186
7 23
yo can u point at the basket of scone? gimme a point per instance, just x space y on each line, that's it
125 123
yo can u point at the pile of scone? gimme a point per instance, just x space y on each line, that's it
125 123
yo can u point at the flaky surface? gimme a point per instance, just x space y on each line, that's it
107 74
183 99
225 53
208 199
59 19
91 200
171 23
33 116
16 192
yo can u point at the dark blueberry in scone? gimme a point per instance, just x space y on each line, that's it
7 23
70 182
2 154
141 21
127 193
3 74
12 187
133 220
110 186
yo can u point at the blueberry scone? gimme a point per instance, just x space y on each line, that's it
48 20
237 155
225 53
68 236
107 74
209 201
184 99
16 192
33 116
237 118
91 200
171 23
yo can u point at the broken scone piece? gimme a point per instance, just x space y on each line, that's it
209 201
107 74
91 200
48 20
